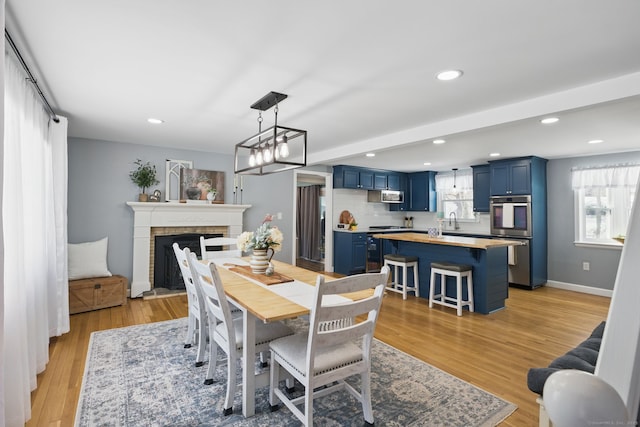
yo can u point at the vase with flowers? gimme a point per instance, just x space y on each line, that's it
266 237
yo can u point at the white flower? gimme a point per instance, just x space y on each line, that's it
266 236
244 240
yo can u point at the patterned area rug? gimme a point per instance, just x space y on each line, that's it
142 376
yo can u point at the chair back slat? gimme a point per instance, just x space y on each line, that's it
193 298
229 244
207 278
333 324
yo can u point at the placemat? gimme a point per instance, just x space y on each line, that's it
245 270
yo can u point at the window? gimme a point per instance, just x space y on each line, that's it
603 200
455 194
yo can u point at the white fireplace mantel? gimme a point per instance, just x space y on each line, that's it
149 214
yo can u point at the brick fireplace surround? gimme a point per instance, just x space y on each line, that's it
151 219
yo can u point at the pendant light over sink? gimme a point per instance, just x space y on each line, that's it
276 149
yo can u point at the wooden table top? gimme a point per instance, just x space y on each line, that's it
266 305
466 242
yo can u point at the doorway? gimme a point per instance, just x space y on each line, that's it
312 217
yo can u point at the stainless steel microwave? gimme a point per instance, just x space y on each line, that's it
385 196
510 216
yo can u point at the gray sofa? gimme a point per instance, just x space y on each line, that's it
583 357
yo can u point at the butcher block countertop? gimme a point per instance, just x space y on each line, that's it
466 242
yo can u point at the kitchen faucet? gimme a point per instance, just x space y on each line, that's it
455 221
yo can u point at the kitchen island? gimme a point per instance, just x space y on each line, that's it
488 257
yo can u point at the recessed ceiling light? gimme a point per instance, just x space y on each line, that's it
494 154
596 141
549 120
427 163
371 154
439 141
155 121
449 75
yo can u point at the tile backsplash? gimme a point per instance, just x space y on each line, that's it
368 214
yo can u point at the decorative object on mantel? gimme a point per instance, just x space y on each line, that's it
156 196
195 184
259 242
276 149
173 168
144 177
211 195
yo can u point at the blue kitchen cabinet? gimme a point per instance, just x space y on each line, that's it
401 179
481 187
422 191
353 177
510 177
350 252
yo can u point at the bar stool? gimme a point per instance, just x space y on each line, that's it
403 262
458 271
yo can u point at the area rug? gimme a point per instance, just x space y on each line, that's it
142 376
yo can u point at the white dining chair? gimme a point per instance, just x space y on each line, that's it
197 331
230 243
225 330
333 349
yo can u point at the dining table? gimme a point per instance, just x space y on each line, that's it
287 294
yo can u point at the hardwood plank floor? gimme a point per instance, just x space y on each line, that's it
491 351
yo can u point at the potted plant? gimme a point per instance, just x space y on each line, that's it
144 177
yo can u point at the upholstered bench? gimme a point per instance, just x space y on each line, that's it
583 358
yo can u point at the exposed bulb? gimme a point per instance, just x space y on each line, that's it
259 156
252 158
284 147
267 153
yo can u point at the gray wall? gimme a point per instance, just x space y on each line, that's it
564 258
99 187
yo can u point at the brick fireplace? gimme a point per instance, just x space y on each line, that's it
153 219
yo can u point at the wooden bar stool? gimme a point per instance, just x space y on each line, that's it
403 262
458 271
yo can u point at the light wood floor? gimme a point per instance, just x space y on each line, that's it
492 351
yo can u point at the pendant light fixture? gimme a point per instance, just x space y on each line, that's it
276 149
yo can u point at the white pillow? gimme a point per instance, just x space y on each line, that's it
88 259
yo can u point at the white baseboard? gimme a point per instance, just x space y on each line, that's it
580 288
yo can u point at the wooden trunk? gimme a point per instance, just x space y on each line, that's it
96 293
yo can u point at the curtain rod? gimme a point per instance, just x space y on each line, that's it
31 78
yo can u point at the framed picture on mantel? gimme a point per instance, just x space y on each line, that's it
201 185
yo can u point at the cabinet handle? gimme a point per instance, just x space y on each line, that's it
97 286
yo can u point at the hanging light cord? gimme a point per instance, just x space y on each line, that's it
31 79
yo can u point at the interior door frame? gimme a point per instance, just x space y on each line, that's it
328 217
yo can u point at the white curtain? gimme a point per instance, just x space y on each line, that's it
605 176
34 223
463 180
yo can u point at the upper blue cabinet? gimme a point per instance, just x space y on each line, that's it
366 179
422 191
515 176
352 177
481 187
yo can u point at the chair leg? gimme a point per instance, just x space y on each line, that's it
308 406
232 361
365 393
188 340
470 291
459 296
202 343
404 281
274 379
213 362
432 288
416 284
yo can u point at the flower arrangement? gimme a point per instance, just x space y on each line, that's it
266 236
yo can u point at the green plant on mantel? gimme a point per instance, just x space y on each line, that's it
144 176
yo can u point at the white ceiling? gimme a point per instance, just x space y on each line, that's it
360 74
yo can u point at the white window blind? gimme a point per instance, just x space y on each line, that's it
455 193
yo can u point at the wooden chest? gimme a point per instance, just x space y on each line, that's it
96 293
